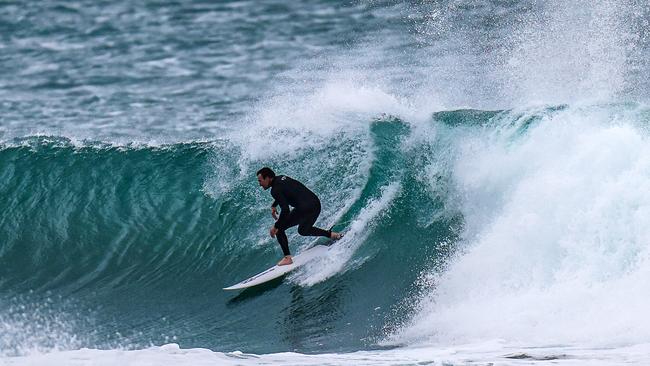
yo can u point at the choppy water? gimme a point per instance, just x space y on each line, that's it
489 161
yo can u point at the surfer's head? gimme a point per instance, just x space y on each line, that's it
265 177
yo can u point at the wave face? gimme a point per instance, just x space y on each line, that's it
475 226
138 241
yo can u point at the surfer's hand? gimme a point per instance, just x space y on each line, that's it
274 213
273 231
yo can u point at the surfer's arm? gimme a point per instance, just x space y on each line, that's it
274 213
284 207
274 210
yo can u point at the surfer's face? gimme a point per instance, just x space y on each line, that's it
264 182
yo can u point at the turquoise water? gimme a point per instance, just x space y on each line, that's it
487 160
136 239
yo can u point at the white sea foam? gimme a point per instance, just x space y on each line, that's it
557 240
339 256
338 107
488 353
31 328
571 52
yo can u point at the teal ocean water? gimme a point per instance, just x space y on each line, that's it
489 162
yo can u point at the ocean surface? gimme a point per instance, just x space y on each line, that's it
489 162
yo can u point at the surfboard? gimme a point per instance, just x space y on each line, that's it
278 271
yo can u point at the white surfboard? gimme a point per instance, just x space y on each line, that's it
277 271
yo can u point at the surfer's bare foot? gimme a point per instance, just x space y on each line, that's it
285 261
335 236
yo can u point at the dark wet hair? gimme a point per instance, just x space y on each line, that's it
266 172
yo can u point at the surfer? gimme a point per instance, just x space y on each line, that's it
306 208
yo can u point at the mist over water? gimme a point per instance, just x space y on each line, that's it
488 161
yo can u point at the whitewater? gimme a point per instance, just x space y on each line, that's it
489 162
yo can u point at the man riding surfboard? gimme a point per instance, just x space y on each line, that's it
306 208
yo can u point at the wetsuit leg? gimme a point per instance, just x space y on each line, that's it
295 218
305 219
284 242
307 227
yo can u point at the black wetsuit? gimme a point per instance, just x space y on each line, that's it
306 208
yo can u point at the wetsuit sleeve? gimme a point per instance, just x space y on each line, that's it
284 207
275 203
